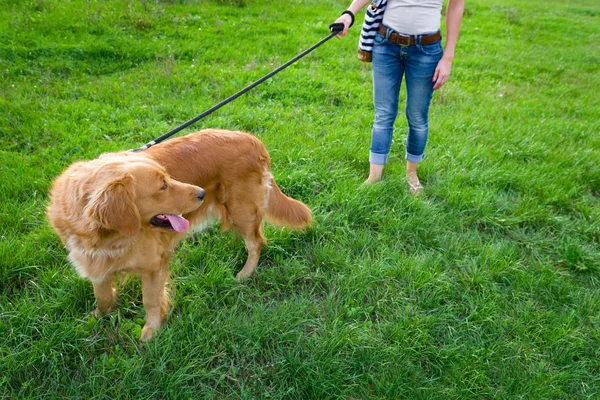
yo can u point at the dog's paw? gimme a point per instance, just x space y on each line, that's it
147 332
97 313
242 275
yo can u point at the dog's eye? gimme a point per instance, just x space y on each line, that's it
164 186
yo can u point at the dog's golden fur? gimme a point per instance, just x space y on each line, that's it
105 210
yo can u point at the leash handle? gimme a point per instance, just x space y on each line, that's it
335 29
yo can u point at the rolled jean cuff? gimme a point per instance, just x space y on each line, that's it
414 159
379 159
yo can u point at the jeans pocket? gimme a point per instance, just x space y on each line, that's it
379 38
432 49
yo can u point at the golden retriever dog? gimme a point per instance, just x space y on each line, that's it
127 212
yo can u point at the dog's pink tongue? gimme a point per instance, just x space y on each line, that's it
178 223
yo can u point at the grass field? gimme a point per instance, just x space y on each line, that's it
486 287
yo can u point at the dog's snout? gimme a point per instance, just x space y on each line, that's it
201 194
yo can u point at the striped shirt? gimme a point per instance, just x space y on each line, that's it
373 18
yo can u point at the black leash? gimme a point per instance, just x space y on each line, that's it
335 28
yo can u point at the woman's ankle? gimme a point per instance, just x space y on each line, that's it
375 173
411 172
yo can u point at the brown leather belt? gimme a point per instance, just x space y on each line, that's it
408 40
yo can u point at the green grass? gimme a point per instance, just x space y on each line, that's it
487 287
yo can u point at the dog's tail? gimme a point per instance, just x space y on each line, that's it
283 210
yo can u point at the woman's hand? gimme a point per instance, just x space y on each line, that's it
346 20
442 72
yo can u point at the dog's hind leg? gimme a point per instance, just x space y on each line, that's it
251 232
105 296
253 245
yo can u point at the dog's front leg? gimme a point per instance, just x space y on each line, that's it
105 296
155 301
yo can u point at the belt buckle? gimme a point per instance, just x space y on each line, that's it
403 40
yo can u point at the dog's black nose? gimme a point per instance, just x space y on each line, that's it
201 195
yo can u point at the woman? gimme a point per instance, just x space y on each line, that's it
407 43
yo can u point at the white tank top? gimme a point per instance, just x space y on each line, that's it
413 17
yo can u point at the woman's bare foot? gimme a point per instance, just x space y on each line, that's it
375 174
414 184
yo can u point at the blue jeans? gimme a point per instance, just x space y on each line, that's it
390 63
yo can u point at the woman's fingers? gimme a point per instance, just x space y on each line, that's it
441 74
346 20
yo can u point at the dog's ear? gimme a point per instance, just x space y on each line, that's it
113 206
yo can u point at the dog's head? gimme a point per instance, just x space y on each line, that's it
125 192
137 193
